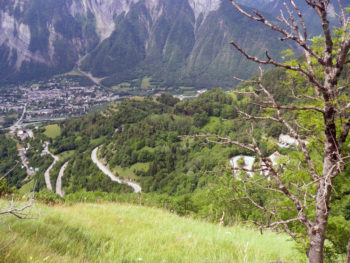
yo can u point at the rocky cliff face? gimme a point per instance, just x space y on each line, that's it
182 42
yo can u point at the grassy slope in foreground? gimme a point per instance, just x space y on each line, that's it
125 233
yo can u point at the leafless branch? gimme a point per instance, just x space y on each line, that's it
20 212
340 89
251 117
247 170
260 18
343 16
245 81
8 244
345 133
270 61
301 19
10 171
279 221
292 108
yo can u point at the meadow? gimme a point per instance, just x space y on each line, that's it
111 232
52 131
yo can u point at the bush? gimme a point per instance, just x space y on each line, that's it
48 197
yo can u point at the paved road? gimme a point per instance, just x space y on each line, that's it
106 171
59 180
23 159
18 123
47 173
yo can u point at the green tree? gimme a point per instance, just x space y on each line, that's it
298 198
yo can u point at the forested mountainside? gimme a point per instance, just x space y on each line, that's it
181 43
143 135
146 136
154 142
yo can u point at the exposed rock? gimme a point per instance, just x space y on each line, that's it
174 42
204 6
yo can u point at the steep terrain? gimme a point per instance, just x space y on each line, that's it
183 42
124 233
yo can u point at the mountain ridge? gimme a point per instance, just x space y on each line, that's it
182 43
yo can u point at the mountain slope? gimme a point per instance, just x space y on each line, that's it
125 233
182 42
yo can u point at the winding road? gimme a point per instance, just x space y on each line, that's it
106 171
47 172
59 180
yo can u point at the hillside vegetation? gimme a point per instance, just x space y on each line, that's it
125 233
148 140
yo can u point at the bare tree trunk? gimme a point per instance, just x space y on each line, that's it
317 238
317 233
348 252
316 252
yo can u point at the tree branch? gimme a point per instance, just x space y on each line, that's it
270 61
344 134
260 18
293 108
18 212
13 168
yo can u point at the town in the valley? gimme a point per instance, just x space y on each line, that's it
50 101
62 98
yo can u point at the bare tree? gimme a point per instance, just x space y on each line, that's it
16 209
21 211
308 189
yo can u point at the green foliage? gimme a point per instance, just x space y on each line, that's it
167 99
146 146
8 159
200 119
5 189
48 197
176 173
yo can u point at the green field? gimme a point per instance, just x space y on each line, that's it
121 86
145 84
126 233
66 155
128 172
212 125
52 131
13 115
26 188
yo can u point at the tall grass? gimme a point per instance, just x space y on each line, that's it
127 233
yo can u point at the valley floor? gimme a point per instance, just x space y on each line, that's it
126 233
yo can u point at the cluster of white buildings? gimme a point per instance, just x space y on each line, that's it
25 133
247 162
